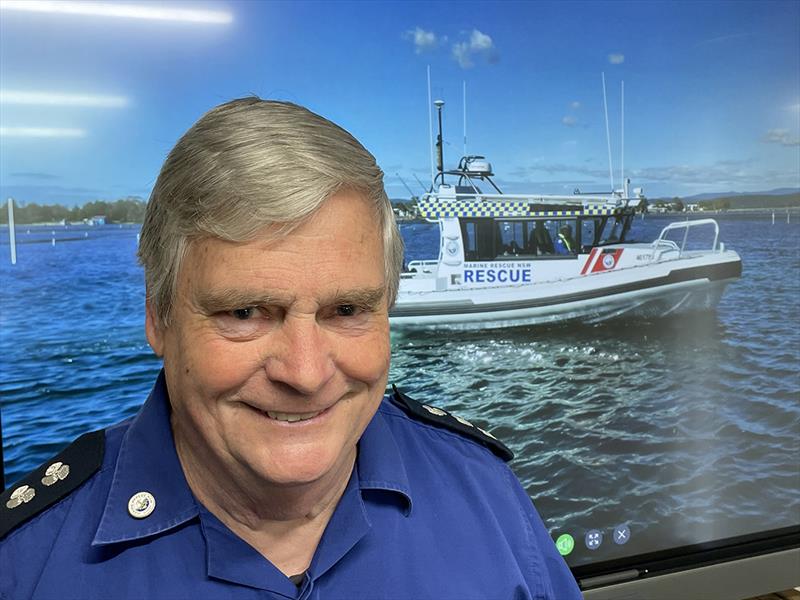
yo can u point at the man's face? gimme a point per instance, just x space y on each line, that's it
277 352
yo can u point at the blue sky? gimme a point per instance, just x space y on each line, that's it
712 89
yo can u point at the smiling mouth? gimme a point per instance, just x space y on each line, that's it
291 417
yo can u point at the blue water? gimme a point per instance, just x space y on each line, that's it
687 429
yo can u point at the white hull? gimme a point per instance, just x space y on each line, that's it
655 289
653 303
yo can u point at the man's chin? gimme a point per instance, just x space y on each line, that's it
292 470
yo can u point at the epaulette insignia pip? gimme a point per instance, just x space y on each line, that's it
438 416
52 481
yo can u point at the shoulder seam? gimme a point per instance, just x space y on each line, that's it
449 434
442 419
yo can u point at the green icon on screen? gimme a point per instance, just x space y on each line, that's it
565 543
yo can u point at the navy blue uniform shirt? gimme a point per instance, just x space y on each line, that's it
427 513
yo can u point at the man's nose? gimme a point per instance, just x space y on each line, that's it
300 355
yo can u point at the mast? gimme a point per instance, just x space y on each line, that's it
439 140
622 144
608 135
430 129
465 116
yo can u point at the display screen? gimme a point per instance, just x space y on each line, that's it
633 435
641 435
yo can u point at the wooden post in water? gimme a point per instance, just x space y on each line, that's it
12 236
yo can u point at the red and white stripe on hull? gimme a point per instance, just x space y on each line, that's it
601 260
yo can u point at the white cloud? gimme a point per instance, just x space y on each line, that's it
616 59
780 136
569 121
463 55
575 105
423 40
478 43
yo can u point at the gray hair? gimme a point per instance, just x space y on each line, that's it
247 164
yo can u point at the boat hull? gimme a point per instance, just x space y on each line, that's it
648 291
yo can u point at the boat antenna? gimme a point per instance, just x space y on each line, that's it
622 142
419 182
430 129
403 181
465 116
439 141
608 135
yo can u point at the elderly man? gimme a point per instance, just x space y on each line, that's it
266 461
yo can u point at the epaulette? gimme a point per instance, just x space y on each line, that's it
50 482
442 418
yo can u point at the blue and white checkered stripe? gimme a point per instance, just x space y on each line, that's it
432 209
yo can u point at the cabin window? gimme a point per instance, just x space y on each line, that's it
511 238
613 229
540 242
562 232
589 230
487 239
478 237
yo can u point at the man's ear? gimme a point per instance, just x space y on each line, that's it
153 329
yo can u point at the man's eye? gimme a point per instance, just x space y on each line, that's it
346 310
243 314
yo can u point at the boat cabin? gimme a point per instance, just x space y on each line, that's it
502 227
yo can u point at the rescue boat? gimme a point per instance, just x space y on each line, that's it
529 259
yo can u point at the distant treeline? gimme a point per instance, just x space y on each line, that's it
125 210
754 201
750 201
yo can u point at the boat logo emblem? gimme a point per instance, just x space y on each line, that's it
452 247
608 261
141 505
21 495
58 471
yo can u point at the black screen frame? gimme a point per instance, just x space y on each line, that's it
672 560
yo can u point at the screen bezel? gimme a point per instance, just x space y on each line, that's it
688 557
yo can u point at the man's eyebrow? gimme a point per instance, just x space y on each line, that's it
212 301
366 297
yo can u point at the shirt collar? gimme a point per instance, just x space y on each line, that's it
147 462
380 463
